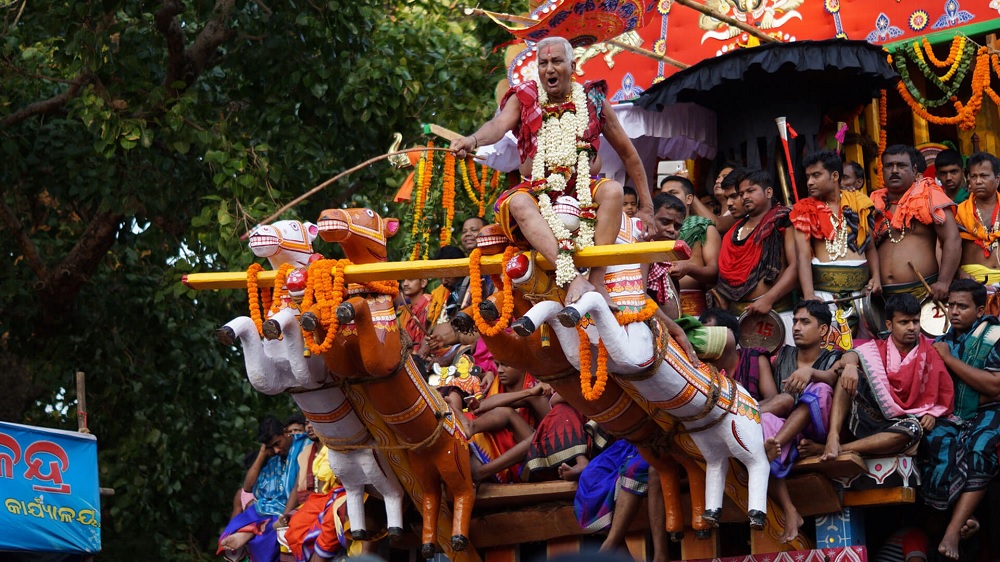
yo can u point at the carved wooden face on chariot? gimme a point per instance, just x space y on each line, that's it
368 229
283 242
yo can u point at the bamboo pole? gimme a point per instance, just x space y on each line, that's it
647 53
81 402
765 38
595 256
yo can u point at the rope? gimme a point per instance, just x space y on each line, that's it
430 439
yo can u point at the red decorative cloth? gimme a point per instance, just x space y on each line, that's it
657 281
532 114
745 263
919 385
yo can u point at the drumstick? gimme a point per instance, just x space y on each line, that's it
843 299
937 303
420 324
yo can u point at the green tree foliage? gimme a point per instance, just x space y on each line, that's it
139 140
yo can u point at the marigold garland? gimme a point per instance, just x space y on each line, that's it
280 290
463 166
627 317
592 390
965 113
448 197
957 45
253 295
425 172
507 290
325 291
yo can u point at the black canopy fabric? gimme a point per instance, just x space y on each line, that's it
832 72
748 88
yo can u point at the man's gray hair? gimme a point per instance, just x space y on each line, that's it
559 41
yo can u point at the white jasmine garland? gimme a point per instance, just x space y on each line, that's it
562 151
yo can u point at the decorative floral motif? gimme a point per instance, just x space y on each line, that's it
919 20
884 30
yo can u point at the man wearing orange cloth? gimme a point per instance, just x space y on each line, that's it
835 256
978 219
916 216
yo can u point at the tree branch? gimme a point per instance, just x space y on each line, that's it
211 36
65 280
44 107
23 241
170 28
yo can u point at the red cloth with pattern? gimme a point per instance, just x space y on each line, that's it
526 130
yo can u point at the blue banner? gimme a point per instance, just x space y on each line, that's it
49 490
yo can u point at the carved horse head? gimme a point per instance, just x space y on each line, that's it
362 233
284 242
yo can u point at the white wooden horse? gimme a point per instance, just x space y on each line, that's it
284 241
274 366
722 418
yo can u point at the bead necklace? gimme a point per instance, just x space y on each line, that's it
989 229
888 231
837 248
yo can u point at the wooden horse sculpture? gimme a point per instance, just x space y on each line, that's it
276 365
720 416
614 411
367 348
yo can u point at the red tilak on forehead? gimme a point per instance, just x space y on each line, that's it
548 51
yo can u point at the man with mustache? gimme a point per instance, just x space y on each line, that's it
543 115
915 217
948 170
757 263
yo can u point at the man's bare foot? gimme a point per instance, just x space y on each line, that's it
970 528
577 287
793 521
772 448
810 448
567 472
832 450
949 545
236 541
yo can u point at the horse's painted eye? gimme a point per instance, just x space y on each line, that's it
370 213
294 226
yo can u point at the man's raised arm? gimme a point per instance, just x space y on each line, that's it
492 131
614 133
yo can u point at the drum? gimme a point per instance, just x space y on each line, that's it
873 314
933 321
762 330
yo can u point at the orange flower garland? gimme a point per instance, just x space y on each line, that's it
957 45
965 114
279 287
480 185
325 288
592 391
253 295
476 286
625 317
448 197
469 185
425 172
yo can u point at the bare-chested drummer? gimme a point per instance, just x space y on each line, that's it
757 263
833 230
978 219
551 164
916 215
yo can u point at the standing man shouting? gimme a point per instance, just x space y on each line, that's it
558 124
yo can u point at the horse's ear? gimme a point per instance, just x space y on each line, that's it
391 227
311 230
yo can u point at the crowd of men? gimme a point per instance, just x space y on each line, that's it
812 264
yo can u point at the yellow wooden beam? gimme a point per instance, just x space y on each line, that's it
596 256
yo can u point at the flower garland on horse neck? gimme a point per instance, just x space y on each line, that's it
563 153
